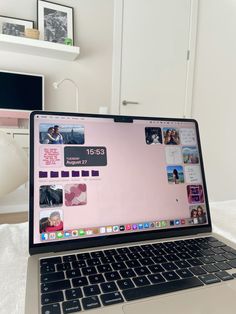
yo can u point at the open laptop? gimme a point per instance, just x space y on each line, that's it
119 219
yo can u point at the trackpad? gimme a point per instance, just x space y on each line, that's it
215 299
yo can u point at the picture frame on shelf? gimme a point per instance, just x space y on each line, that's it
14 26
55 22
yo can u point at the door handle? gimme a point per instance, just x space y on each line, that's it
127 102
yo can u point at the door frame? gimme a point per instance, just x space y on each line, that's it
117 57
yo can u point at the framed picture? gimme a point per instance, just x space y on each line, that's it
55 22
13 26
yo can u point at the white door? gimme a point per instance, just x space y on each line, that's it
153 65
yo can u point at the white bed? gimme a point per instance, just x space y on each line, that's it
14 254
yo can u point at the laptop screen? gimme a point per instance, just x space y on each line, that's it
99 176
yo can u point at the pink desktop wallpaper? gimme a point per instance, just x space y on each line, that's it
116 173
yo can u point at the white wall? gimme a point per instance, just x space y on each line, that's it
214 95
92 71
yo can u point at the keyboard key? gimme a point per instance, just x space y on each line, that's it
210 268
229 256
121 258
73 293
141 281
219 258
169 266
69 258
232 263
217 244
156 268
109 287
135 248
53 297
83 256
123 250
52 277
135 256
45 269
218 250
118 266
97 254
96 279
195 254
51 309
133 264
207 260
157 278
223 275
114 275
71 306
107 260
159 259
111 298
91 290
229 249
110 252
146 254
158 289
146 261
91 303
184 255
182 264
125 284
127 273
209 279
184 273
142 271
78 282
54 286
78 264
63 266
198 270
195 262
207 252
89 271
52 260
170 275
223 266
73 273
93 262
104 268
172 258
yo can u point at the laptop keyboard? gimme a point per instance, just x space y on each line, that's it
84 281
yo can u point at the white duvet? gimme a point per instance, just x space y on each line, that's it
14 254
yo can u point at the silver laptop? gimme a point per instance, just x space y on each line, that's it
119 219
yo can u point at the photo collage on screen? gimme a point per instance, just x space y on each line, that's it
66 166
182 165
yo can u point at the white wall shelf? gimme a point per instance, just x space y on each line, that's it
38 47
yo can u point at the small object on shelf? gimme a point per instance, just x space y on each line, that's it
14 26
68 42
32 33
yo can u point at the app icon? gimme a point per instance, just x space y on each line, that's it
146 225
134 227
44 236
158 224
182 221
59 234
89 232
190 221
67 234
122 228
172 222
95 231
140 226
195 221
128 227
52 235
152 224
75 233
116 228
163 223
102 230
81 232
177 222
109 229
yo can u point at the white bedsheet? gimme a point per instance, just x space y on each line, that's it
14 254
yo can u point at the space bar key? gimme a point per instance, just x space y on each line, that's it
167 287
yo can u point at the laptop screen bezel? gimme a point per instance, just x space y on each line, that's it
75 244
